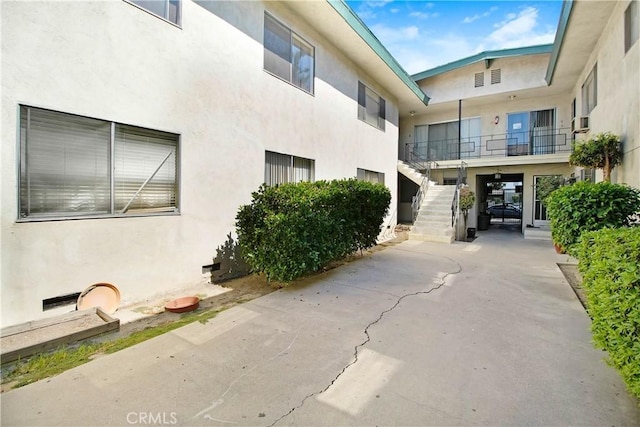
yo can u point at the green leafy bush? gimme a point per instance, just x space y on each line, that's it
609 261
586 206
294 229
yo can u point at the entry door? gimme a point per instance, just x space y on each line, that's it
518 134
539 210
543 137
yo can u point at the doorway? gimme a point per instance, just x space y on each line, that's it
500 202
540 218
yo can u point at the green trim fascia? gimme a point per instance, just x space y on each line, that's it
565 13
484 56
365 33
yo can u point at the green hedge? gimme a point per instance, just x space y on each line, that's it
609 261
586 206
294 229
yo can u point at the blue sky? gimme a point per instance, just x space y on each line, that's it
424 34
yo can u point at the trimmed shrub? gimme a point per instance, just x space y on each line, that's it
609 261
586 206
294 229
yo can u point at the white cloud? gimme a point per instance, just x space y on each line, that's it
390 36
470 19
424 15
519 30
431 52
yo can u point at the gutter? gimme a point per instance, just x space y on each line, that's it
565 14
365 33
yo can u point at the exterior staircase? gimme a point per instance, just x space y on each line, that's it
433 222
410 172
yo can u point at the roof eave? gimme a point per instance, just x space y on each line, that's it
565 13
365 33
484 56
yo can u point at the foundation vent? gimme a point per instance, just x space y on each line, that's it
61 301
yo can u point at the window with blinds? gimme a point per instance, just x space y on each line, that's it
73 166
371 107
370 176
284 168
287 55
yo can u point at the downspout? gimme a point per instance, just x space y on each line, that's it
459 129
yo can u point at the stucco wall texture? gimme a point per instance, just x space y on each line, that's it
204 81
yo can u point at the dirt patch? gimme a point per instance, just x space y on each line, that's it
243 289
571 273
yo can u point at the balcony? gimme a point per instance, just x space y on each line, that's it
538 142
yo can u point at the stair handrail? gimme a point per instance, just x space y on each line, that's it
416 201
455 204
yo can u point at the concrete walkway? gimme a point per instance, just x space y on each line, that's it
482 333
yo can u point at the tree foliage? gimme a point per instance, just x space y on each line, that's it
603 151
547 185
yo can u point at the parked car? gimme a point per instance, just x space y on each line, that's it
505 211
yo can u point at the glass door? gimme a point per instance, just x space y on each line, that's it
539 210
518 134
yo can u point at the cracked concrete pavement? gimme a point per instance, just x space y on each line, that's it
482 333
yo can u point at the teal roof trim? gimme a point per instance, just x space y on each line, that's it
365 33
484 56
565 13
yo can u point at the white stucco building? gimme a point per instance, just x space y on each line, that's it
512 115
132 131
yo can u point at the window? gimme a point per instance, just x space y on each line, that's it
496 76
590 91
631 24
287 55
479 80
283 168
74 166
370 176
371 107
169 10
439 141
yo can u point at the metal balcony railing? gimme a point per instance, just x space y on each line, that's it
528 143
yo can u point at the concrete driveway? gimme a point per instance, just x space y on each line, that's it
482 333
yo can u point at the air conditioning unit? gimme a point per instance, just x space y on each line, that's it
580 124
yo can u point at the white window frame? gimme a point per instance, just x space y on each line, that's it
288 68
285 168
165 15
372 108
590 91
133 171
369 176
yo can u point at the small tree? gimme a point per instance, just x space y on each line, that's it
546 185
467 200
603 151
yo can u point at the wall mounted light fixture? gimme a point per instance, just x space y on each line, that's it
413 113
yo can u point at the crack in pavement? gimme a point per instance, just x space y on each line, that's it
357 348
